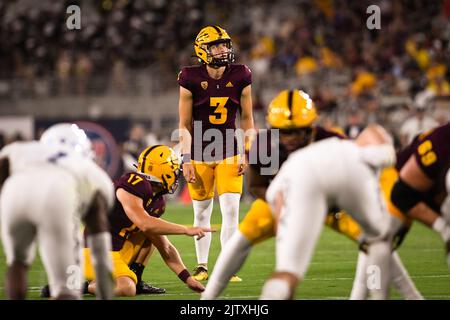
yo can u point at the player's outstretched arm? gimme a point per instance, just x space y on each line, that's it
134 209
173 260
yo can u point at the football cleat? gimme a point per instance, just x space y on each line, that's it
45 291
200 273
235 278
145 288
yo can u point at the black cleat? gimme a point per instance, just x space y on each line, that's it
145 288
85 288
45 291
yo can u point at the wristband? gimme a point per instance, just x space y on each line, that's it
186 158
184 275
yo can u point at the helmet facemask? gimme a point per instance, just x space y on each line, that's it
296 138
174 185
209 36
220 59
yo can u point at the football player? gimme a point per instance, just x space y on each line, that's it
420 189
135 224
332 172
211 95
293 113
415 189
48 185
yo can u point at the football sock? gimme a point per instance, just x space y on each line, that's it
401 280
378 263
275 289
359 289
138 269
230 260
100 244
229 207
202 218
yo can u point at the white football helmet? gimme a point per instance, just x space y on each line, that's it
69 137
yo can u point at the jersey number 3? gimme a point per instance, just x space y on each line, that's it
427 155
220 113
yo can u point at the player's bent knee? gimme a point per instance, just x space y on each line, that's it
125 287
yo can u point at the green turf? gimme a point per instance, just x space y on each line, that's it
330 274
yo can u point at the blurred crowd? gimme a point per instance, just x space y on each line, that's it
322 46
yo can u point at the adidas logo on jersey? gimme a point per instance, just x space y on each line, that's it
229 85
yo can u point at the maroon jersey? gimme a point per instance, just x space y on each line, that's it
432 153
120 226
215 104
268 145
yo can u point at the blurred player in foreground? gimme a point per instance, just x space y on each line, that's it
420 189
293 114
61 185
416 190
330 173
135 224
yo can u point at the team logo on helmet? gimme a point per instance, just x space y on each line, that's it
160 164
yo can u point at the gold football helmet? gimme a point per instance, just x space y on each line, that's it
291 109
208 36
160 164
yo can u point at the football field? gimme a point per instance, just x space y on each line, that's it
330 274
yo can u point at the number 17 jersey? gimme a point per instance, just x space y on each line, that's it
214 106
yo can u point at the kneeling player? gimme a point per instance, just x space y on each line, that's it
135 221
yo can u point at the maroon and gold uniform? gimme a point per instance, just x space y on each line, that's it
126 239
431 150
215 105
